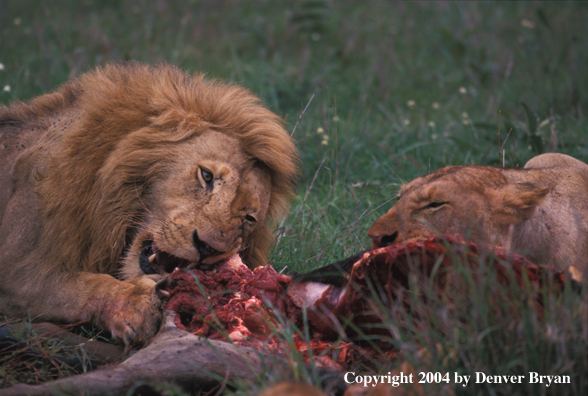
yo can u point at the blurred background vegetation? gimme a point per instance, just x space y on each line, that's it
392 90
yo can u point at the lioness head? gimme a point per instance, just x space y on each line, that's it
477 202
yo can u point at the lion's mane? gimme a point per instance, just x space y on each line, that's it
112 129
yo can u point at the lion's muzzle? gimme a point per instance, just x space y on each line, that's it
203 248
382 239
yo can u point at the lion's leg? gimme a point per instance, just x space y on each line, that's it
33 285
129 310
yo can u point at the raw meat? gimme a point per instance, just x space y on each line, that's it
253 308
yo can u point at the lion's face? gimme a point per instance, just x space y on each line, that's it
424 208
476 202
203 209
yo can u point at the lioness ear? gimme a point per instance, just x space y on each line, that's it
520 199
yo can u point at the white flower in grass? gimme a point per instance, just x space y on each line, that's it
431 124
7 88
435 106
336 119
528 24
463 90
407 122
1 66
320 130
17 21
465 114
411 103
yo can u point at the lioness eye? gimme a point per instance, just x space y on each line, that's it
434 205
206 175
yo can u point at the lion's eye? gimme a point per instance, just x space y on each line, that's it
434 205
206 175
250 219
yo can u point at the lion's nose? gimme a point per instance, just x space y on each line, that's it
203 248
382 240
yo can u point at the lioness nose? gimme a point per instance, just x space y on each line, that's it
203 248
383 240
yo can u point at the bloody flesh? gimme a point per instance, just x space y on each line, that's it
250 308
230 301
380 279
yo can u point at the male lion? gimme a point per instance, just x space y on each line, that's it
133 170
540 211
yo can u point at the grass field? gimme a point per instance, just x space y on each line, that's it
391 91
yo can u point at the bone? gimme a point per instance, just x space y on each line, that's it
195 363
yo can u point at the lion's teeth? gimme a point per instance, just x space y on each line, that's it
151 259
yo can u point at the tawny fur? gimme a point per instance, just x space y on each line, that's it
540 211
89 168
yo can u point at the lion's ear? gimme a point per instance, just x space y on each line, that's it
178 116
173 106
519 200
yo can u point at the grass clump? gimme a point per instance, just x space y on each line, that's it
482 325
31 357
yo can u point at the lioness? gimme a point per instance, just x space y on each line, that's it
540 211
133 170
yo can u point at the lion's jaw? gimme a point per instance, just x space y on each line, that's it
203 210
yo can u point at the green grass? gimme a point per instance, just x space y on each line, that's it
496 329
35 358
399 88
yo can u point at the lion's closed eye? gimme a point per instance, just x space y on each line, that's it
434 205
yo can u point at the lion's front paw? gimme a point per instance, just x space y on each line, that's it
135 314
